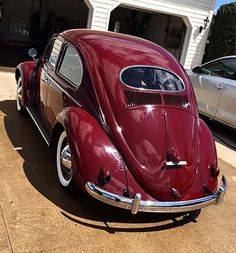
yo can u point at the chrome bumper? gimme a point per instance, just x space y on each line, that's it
136 204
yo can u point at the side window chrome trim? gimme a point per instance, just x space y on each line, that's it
151 66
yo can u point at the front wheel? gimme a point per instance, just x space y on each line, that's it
19 95
64 163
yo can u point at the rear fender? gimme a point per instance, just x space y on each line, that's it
93 153
27 71
208 155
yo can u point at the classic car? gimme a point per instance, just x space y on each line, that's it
122 115
214 84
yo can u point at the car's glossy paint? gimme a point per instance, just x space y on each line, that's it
215 95
131 142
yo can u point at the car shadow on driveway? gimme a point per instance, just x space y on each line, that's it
40 170
222 134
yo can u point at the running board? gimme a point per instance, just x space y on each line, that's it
36 117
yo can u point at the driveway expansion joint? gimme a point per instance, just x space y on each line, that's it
6 229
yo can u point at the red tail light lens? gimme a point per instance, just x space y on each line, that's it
214 170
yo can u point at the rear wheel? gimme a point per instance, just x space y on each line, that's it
64 163
19 95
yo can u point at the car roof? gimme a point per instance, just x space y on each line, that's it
98 38
221 58
126 50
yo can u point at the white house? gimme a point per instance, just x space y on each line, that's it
180 26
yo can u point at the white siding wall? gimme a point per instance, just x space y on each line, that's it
193 12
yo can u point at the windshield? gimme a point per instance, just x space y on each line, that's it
151 78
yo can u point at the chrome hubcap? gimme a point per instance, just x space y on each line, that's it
66 165
66 158
20 92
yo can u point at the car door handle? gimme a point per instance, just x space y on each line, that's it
47 80
219 87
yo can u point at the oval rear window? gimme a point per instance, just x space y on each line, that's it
151 78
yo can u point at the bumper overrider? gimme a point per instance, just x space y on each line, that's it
139 205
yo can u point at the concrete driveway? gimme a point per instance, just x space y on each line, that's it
36 215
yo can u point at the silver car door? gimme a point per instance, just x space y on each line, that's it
198 89
210 91
227 107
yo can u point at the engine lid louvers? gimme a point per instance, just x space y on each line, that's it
134 98
138 98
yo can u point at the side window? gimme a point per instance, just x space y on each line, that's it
71 67
213 69
223 68
230 65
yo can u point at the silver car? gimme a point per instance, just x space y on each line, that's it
214 84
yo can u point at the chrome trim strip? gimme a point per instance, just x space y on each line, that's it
36 123
137 204
76 102
151 66
180 163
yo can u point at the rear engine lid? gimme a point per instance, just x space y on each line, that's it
163 149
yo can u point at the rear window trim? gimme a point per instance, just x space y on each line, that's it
153 90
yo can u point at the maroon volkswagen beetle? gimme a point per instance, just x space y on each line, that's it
122 115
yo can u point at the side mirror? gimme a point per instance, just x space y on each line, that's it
196 69
32 53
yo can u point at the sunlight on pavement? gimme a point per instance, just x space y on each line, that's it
7 83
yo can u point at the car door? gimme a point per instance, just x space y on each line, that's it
199 85
226 111
209 85
67 79
50 58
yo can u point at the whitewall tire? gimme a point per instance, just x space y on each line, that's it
63 162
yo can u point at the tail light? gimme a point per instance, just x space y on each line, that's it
214 170
104 176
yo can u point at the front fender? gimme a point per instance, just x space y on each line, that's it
28 72
93 153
